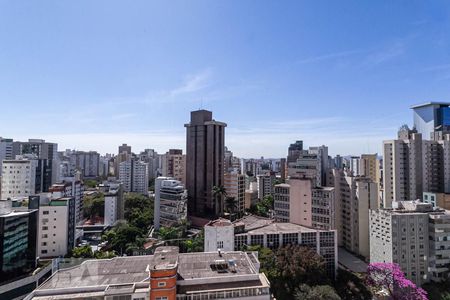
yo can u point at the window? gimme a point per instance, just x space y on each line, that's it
161 298
219 246
45 212
44 227
44 251
161 284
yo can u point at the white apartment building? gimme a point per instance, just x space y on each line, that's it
19 178
401 235
219 234
234 184
110 210
134 176
56 230
265 185
113 192
355 196
402 167
170 202
355 165
73 189
439 234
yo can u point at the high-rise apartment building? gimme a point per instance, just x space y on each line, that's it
355 196
354 167
72 189
265 184
402 167
234 184
369 166
88 163
25 176
439 233
125 149
114 201
56 232
401 235
134 176
152 158
205 142
294 151
41 150
174 165
170 202
299 202
6 149
312 164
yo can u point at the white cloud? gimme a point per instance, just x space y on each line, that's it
328 56
193 83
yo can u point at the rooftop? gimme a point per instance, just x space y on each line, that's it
221 222
429 104
200 265
281 227
252 222
101 272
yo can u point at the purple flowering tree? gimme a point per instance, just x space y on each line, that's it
387 279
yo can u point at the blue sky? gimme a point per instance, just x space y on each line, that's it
91 75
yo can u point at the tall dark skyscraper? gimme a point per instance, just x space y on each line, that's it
294 151
205 145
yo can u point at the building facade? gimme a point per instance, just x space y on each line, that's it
174 165
18 233
205 142
402 167
401 235
56 232
134 176
170 202
234 184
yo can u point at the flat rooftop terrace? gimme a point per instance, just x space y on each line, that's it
275 228
103 272
198 265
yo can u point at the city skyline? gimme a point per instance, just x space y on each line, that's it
341 74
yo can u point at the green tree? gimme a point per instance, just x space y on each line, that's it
230 204
289 267
169 233
124 238
264 206
219 192
196 244
305 292
139 211
82 252
90 183
94 206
